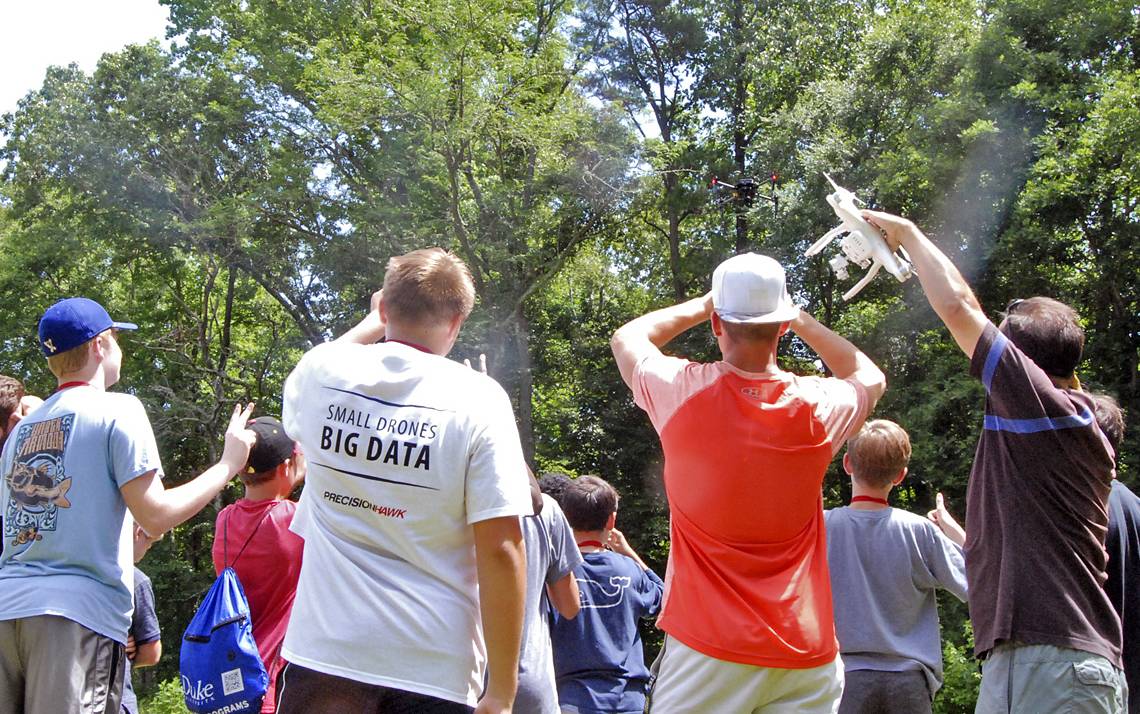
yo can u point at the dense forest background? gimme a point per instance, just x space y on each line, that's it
238 192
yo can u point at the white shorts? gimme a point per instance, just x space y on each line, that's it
689 681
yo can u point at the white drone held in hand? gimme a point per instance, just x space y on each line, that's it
862 245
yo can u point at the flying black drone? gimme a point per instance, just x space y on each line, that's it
747 190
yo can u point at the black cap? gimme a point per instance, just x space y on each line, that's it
272 448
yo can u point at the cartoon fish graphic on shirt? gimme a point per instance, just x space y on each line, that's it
36 487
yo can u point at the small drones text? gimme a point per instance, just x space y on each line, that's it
861 244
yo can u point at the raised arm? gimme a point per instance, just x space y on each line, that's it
501 563
369 330
845 360
158 509
646 335
946 290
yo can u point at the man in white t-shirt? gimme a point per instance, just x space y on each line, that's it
413 576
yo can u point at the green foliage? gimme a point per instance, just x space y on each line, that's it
168 699
240 195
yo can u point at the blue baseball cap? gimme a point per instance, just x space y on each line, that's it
73 321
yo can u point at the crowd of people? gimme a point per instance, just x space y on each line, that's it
425 569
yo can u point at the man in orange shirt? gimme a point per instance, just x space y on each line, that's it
747 609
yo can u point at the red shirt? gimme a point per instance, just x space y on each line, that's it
745 456
268 570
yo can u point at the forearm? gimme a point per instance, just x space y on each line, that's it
661 326
368 331
953 530
148 655
844 359
501 563
162 509
655 330
945 288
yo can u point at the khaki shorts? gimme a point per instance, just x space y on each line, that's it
693 682
50 665
1044 678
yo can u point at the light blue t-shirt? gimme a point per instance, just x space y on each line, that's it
886 566
67 537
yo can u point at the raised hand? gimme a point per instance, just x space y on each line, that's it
239 440
945 521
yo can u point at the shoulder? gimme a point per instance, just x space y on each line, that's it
142 581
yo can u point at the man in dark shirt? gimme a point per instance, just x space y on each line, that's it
1037 503
1123 546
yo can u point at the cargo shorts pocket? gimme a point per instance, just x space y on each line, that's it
1098 687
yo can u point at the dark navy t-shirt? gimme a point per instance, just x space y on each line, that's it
1037 511
1123 586
599 660
144 628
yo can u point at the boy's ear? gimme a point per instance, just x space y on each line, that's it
717 327
611 521
847 463
900 477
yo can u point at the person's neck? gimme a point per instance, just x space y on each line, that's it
91 377
264 492
433 338
858 489
587 536
750 357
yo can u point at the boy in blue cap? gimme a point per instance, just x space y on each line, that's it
71 470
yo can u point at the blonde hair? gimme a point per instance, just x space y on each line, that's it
879 452
431 285
71 361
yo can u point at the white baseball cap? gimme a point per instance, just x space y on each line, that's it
749 288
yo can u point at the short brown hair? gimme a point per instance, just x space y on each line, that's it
431 285
1048 331
588 503
879 452
11 392
1110 419
71 361
746 332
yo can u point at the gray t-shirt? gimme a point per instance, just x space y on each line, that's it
886 566
551 554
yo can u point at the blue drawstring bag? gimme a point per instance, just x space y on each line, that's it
221 670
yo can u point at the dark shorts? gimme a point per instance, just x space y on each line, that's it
870 691
301 691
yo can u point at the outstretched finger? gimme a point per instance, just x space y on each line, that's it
940 503
467 363
483 363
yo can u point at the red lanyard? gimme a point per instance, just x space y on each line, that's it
68 385
591 544
870 499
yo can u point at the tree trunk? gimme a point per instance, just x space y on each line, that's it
525 384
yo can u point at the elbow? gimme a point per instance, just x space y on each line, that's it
570 611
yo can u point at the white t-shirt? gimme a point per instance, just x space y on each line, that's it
405 451
67 538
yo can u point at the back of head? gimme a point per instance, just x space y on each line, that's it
1048 331
878 453
1110 419
272 448
11 392
588 503
751 298
553 484
428 287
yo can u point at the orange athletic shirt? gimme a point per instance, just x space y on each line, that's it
745 456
